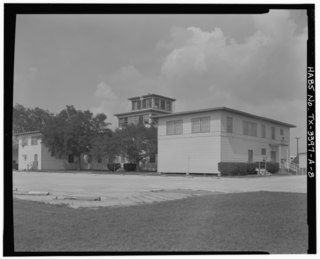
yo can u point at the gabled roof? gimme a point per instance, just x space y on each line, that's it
227 110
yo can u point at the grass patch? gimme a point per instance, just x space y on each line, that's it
260 221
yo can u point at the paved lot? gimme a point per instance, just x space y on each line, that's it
126 190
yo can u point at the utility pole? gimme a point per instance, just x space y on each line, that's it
297 145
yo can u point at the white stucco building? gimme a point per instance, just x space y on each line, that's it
34 155
196 141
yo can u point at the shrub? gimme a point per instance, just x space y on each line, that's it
232 168
272 167
251 168
113 166
130 167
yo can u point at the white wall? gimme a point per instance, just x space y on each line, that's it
28 150
50 162
235 146
189 152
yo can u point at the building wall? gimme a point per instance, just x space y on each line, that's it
235 145
189 152
50 162
26 154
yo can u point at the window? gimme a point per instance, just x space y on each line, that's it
281 132
134 105
149 103
146 119
174 127
156 103
163 104
140 119
263 131
99 159
70 159
273 133
273 155
34 141
229 124
168 106
123 122
250 155
152 158
200 125
24 141
139 105
249 128
144 104
263 151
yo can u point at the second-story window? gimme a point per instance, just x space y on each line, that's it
174 127
229 124
134 105
139 105
144 104
168 106
156 103
281 132
200 125
149 103
249 128
34 141
273 133
163 104
263 131
24 141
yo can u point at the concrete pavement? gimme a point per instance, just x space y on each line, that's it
127 190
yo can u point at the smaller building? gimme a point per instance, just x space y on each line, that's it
144 107
34 155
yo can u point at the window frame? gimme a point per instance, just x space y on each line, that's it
201 121
273 133
174 127
250 128
228 124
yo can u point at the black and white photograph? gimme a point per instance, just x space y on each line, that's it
179 130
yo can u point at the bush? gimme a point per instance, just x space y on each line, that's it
233 168
251 168
113 166
130 167
272 167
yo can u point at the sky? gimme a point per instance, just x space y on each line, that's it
254 63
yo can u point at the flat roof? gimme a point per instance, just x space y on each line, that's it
150 95
141 111
227 110
35 132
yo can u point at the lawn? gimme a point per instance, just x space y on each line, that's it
260 221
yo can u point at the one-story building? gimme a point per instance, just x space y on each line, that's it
196 141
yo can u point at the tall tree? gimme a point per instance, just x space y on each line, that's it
137 142
26 119
71 131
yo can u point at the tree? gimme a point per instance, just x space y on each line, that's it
71 132
26 119
137 142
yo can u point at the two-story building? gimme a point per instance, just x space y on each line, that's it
34 155
144 107
196 141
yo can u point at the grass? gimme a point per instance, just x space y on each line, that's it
261 221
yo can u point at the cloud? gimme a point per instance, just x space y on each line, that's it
108 102
270 63
264 74
104 91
